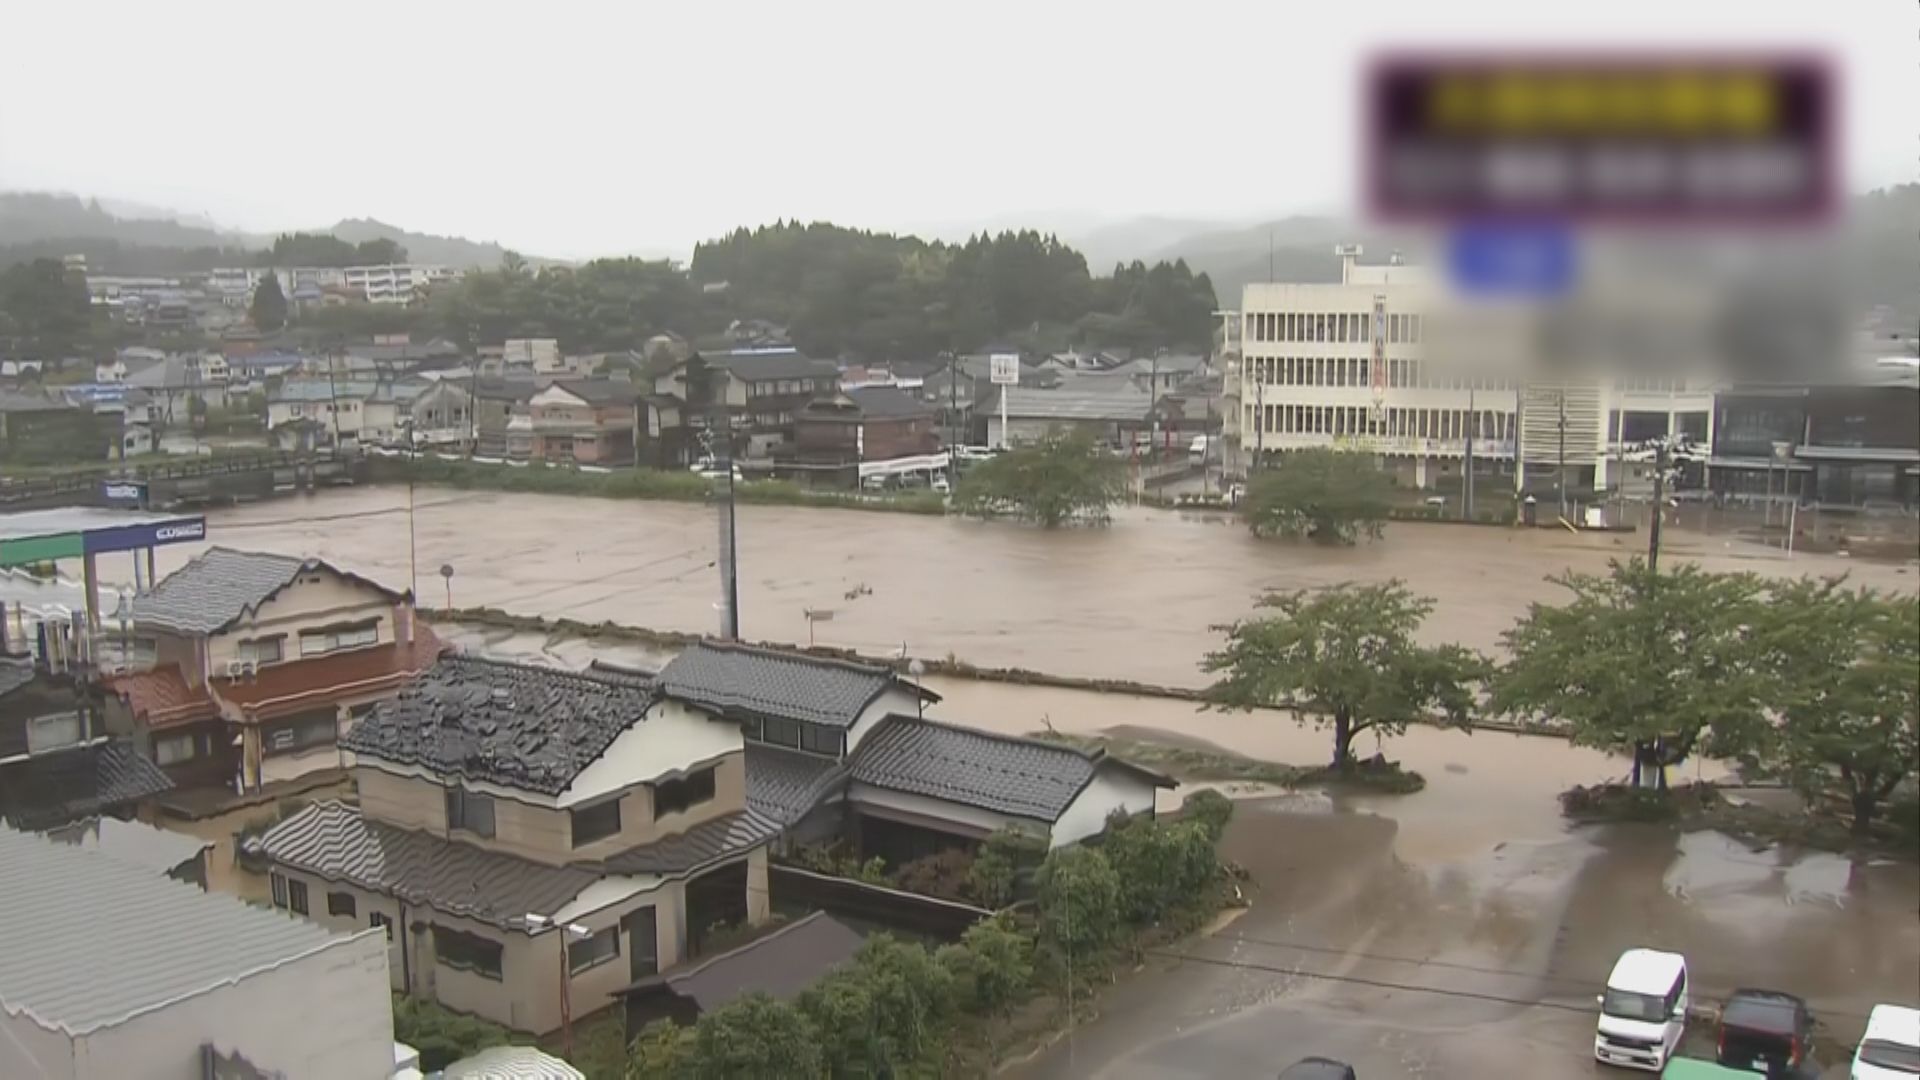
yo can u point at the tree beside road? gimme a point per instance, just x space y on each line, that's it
1345 657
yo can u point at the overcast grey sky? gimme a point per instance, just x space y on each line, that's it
575 129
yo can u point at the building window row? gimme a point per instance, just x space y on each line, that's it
679 796
1442 425
469 952
1337 326
1358 371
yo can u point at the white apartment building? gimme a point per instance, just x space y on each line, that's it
1351 366
389 284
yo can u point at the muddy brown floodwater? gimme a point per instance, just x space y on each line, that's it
1132 601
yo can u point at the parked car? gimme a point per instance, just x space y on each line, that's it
1643 1012
1890 1050
1766 1031
1319 1068
941 484
876 482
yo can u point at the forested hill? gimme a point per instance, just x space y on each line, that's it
878 295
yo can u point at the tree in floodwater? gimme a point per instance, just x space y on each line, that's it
1659 666
1333 496
1061 479
1846 693
1345 657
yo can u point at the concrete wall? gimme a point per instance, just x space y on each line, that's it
318 1016
1111 789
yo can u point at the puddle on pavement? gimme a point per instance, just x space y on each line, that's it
1712 865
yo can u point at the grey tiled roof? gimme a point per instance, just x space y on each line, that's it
334 841
780 965
740 680
1024 777
213 590
519 725
338 843
759 366
886 403
1120 403
706 842
785 784
48 789
91 941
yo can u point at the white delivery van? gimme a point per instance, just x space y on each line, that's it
1890 1050
1644 1010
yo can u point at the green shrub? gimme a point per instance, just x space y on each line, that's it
663 1051
912 997
946 874
1008 857
1211 809
754 1037
1159 865
1079 900
841 1010
441 1035
992 967
990 878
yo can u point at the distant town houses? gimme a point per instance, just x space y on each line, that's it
394 283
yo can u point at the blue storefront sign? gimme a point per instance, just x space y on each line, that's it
145 535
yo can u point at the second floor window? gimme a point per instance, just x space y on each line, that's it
335 638
596 822
678 796
469 811
340 903
53 732
261 650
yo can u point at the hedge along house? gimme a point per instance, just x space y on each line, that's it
259 663
501 801
841 750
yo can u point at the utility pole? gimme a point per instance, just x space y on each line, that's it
1560 481
1473 421
1659 505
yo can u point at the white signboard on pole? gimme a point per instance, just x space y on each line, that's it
1003 369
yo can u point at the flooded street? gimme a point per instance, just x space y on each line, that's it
1133 601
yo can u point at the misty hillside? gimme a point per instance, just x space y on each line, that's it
1142 239
151 240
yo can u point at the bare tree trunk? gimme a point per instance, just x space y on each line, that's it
1864 808
1342 735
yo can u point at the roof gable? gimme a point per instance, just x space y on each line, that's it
221 586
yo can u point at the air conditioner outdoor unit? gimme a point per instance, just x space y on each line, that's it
235 668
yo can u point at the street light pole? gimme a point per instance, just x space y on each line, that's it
538 922
1560 479
1473 421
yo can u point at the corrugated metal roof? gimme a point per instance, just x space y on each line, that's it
335 841
1024 777
511 1063
90 942
743 680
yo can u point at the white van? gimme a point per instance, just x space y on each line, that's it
1890 1050
1644 1011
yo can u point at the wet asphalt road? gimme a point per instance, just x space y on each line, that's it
1486 966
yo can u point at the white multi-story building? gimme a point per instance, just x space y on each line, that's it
1351 366
389 284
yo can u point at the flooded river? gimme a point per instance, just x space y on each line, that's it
1133 601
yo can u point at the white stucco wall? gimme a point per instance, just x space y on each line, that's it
321 1016
671 739
1112 789
893 701
955 817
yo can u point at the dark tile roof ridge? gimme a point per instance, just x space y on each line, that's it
607 676
772 653
891 719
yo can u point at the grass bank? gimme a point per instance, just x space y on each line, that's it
634 483
1189 763
1701 805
